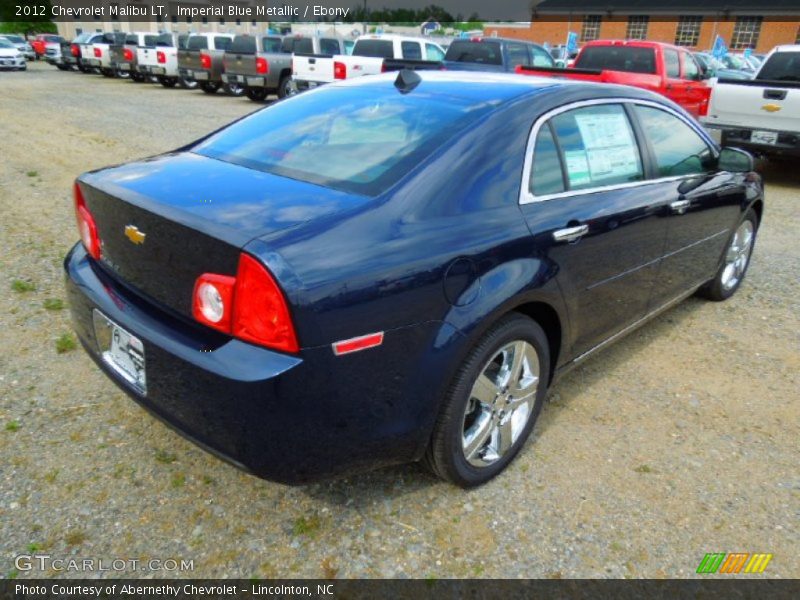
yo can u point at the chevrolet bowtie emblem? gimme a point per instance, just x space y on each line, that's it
133 234
771 107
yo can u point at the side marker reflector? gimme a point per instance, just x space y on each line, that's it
358 343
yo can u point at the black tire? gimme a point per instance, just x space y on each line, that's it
284 86
209 87
256 94
168 82
62 67
107 72
722 286
445 455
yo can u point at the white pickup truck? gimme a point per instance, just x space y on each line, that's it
97 55
367 58
761 114
161 60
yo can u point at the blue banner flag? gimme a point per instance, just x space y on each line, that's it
572 42
719 50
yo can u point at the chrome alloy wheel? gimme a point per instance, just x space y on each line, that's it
738 255
500 403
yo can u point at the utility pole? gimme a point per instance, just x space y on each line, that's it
364 24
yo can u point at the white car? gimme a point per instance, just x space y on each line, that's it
11 57
20 44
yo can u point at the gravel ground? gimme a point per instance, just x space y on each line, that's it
681 439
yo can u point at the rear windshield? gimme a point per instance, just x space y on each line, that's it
485 53
359 140
197 42
300 45
150 40
271 44
781 66
132 39
165 39
15 39
243 44
374 48
222 43
618 58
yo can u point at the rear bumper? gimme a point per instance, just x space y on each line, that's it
198 75
787 144
122 66
12 63
251 81
291 419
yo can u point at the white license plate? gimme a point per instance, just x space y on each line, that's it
121 350
125 67
157 70
764 137
255 81
200 75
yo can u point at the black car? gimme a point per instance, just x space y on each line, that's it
396 268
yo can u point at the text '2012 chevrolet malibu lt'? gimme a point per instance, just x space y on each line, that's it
395 268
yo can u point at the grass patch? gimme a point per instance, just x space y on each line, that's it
644 469
178 480
12 426
66 343
165 457
50 476
21 286
32 173
306 526
207 480
54 304
75 537
34 547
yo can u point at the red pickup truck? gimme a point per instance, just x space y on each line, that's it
669 70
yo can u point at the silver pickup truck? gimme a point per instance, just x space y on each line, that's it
263 65
202 61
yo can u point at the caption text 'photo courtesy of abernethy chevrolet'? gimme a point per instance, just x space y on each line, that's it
396 268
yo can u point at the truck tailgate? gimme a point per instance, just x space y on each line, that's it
755 104
313 67
240 64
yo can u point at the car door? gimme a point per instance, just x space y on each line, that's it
588 204
704 202
697 91
674 86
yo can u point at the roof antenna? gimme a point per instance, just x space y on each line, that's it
406 80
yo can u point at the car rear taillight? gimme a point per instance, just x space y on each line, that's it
205 61
339 70
75 50
250 306
98 53
262 66
86 225
127 54
383 67
161 57
212 301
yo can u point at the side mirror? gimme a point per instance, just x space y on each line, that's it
735 160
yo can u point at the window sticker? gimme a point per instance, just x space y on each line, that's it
610 147
577 167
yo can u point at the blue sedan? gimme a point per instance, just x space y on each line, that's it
396 268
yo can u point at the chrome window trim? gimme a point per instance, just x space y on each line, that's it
527 197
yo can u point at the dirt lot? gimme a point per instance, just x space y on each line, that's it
681 439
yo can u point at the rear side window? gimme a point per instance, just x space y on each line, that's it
485 53
598 147
329 46
359 140
197 42
546 174
618 58
781 66
243 44
222 43
271 44
411 50
517 54
374 48
671 63
433 52
678 149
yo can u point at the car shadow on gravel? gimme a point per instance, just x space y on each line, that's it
779 171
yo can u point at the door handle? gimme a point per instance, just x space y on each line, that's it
570 234
679 206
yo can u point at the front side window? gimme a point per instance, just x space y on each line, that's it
598 147
271 44
411 50
517 54
678 149
690 68
671 64
541 58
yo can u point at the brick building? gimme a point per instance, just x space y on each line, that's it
759 24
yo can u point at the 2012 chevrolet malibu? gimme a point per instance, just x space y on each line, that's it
395 268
